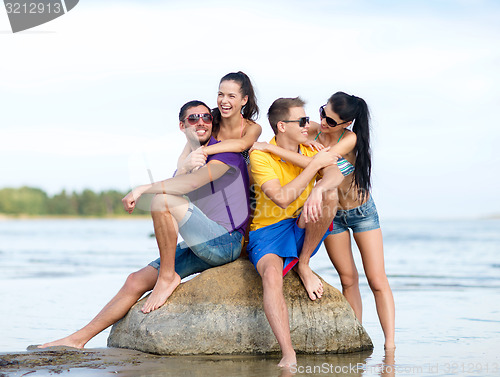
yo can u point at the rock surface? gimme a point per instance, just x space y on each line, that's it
220 311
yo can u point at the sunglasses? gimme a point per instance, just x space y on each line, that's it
331 122
302 121
194 118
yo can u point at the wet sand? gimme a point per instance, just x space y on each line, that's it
103 361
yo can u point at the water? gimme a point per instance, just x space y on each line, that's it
55 275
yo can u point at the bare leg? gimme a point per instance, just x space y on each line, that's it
166 211
314 234
135 286
339 250
370 245
270 268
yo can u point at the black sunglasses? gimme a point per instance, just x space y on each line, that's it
331 122
302 121
193 118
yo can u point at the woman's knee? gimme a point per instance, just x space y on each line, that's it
378 283
349 279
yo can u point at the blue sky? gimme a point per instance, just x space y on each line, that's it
91 98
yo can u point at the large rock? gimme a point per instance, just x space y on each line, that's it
220 311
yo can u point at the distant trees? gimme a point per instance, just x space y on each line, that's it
34 201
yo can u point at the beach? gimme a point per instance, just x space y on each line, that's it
55 275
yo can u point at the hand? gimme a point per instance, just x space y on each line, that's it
259 146
314 145
194 160
130 200
312 210
324 158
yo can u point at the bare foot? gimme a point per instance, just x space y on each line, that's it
311 282
69 341
161 292
288 360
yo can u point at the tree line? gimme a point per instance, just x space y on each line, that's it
34 201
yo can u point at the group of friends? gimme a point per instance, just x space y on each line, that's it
279 200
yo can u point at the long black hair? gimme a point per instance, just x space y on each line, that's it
250 110
352 108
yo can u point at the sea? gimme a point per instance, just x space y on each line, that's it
56 274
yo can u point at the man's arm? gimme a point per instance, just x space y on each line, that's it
178 185
283 196
332 178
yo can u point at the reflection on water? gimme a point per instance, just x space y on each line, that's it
351 365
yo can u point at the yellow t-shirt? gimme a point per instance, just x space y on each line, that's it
266 166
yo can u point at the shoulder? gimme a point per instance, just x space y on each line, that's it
260 156
251 126
307 151
264 167
349 135
260 160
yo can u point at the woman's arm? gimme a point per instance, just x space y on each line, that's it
250 136
295 158
346 145
343 147
299 159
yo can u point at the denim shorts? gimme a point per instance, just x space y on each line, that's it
359 219
206 244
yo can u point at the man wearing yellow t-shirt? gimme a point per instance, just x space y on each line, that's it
281 236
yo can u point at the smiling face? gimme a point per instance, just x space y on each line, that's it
230 100
292 130
199 133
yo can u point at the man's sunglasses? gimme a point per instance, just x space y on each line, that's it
302 121
194 118
331 122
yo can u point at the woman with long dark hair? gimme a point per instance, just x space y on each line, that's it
356 209
233 119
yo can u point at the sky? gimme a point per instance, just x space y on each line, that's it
91 99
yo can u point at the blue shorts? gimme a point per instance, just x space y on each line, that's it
359 219
206 244
283 238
